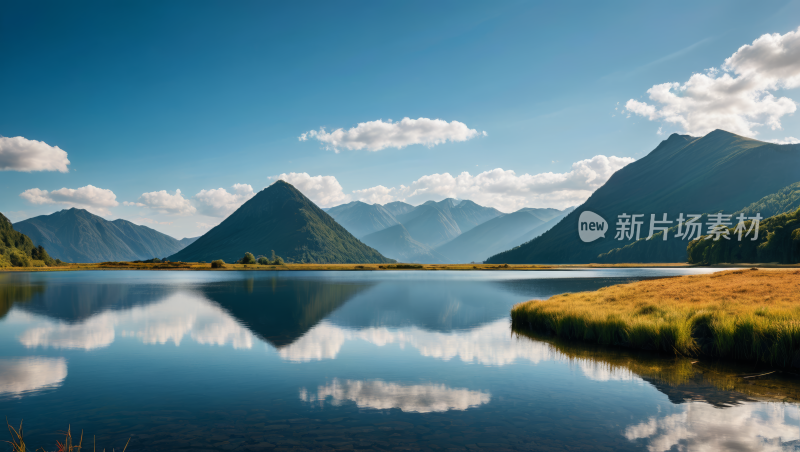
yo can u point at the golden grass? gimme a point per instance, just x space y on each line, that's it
18 441
740 314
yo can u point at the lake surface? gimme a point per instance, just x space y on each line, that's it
351 360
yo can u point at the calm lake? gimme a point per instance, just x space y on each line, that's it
353 360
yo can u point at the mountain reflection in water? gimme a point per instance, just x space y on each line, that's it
342 359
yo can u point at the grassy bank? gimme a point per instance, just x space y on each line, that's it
742 314
712 380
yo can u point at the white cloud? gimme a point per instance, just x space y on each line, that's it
504 189
219 203
787 140
739 99
21 154
325 191
96 200
377 135
163 202
22 376
380 395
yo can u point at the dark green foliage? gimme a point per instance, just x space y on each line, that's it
17 249
778 242
76 235
248 259
278 261
718 172
219 263
263 260
396 242
280 218
786 200
674 250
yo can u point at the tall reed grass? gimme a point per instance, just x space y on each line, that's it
744 314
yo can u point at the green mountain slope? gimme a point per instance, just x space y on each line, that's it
778 242
75 235
282 219
718 172
656 250
361 219
395 242
492 237
17 249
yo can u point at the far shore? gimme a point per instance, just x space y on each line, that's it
195 266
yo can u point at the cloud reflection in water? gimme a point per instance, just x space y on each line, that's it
170 320
751 426
409 398
22 376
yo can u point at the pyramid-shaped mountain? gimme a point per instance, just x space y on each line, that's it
281 219
718 172
76 235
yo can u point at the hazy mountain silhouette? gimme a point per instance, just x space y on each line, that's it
76 235
395 242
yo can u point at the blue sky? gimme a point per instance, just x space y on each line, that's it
150 96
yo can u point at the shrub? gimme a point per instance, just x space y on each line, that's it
278 261
219 263
19 259
248 259
263 260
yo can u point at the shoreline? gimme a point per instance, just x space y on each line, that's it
193 266
747 315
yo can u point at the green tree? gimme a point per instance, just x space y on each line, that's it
248 259
263 260
219 263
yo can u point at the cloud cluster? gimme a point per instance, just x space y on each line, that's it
504 189
219 202
325 191
377 135
787 140
91 198
21 154
738 98
163 202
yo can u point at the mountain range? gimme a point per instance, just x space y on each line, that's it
718 172
281 219
448 231
76 235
